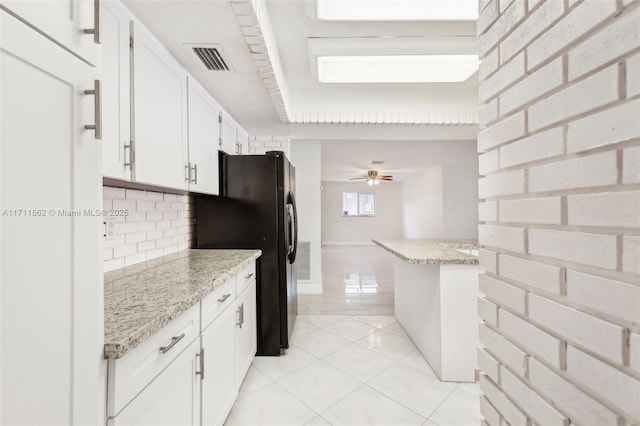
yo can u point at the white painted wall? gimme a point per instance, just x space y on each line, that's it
387 224
306 157
460 201
441 202
422 205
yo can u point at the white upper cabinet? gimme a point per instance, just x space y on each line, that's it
64 21
117 154
51 303
243 141
159 125
203 140
228 134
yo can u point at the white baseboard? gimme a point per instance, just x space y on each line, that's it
347 243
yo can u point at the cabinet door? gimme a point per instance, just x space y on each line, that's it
172 398
51 337
228 135
245 338
160 113
203 140
219 389
243 141
62 21
116 98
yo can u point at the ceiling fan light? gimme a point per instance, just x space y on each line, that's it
370 181
377 181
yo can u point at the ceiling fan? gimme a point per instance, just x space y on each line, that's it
373 178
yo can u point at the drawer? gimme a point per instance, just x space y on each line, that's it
246 276
135 370
217 301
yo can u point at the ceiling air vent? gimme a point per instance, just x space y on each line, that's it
377 162
212 58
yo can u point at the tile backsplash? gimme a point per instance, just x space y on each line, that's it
262 144
156 224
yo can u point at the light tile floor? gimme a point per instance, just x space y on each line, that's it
351 370
356 280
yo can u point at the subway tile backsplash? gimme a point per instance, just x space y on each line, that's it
156 224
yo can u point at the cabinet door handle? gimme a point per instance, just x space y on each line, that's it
97 101
248 276
132 155
187 172
195 173
240 317
201 372
174 340
96 23
224 297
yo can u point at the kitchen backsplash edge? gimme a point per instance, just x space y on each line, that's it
148 224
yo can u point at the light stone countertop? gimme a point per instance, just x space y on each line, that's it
142 298
435 252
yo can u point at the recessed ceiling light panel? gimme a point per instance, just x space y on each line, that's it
396 68
398 10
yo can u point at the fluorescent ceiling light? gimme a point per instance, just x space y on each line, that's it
396 68
398 10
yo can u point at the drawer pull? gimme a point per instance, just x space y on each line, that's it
174 340
246 277
223 298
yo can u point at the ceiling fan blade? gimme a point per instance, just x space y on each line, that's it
385 177
360 178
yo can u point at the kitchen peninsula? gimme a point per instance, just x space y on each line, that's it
436 292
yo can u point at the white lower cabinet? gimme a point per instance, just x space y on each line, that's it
189 372
219 388
172 398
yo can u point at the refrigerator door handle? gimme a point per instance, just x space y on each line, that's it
291 201
289 231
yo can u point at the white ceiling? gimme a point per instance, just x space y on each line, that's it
177 23
295 30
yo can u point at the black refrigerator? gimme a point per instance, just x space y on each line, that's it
256 209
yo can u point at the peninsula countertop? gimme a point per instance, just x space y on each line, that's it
444 252
141 299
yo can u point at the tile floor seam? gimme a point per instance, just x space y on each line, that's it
442 402
300 399
297 398
397 402
341 399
